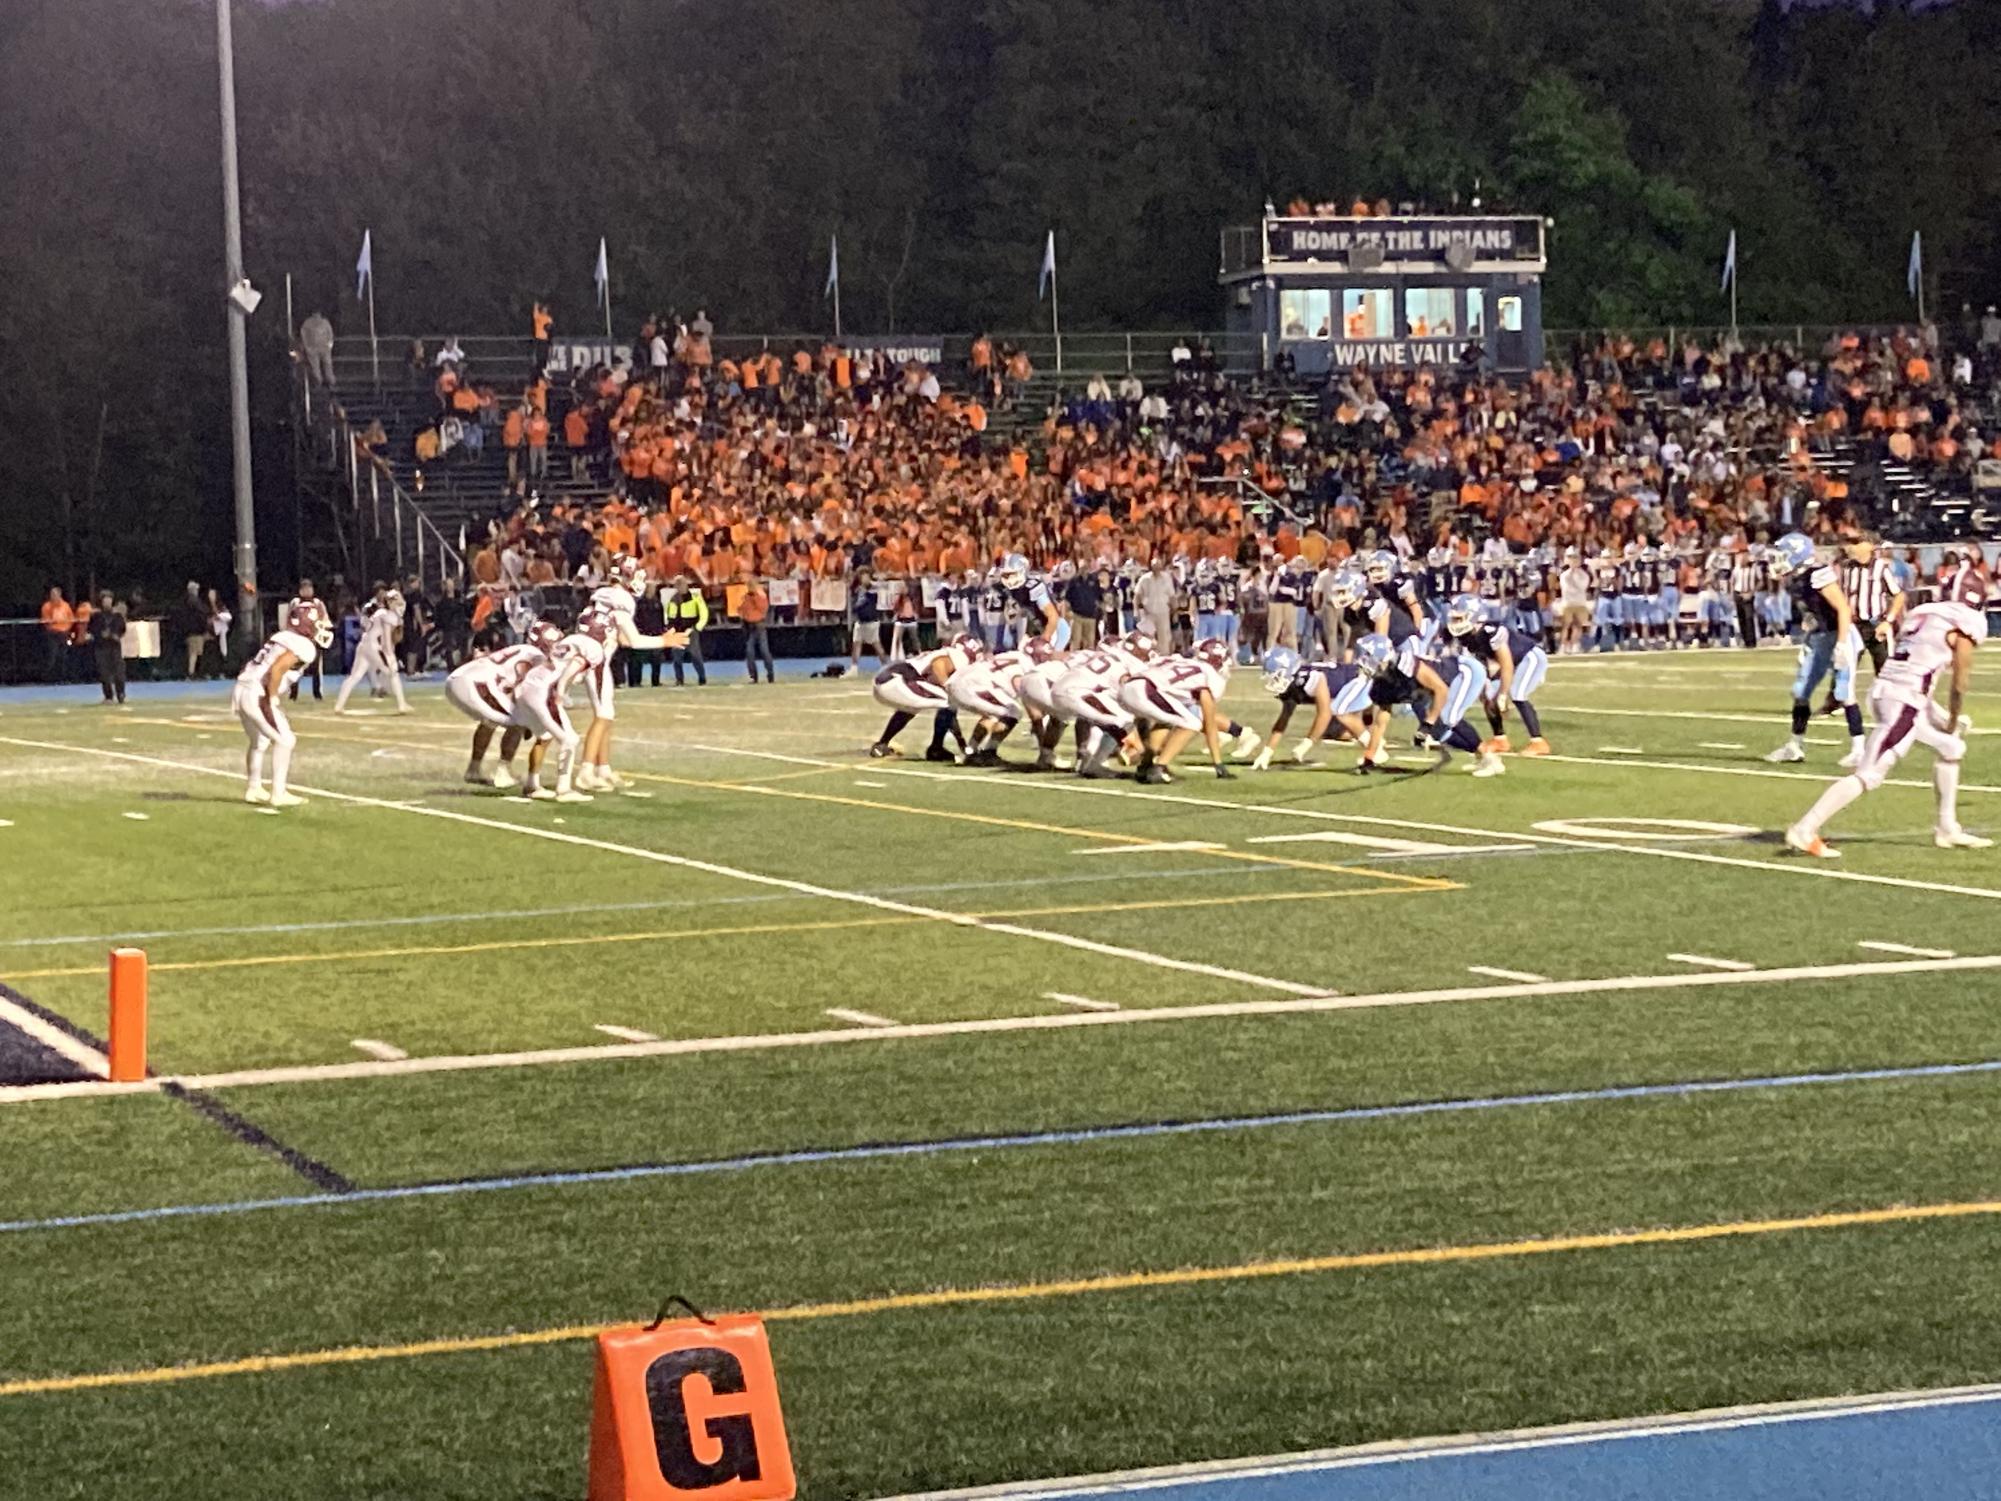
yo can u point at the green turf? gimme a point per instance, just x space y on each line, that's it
689 948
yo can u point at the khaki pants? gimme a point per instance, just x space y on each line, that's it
1083 634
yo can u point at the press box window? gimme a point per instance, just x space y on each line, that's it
1304 315
1476 312
1510 309
1368 315
1427 312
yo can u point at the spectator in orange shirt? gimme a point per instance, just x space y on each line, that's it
541 323
754 609
57 619
538 445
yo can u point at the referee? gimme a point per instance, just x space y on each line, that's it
1870 582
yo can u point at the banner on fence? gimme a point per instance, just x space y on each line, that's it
830 596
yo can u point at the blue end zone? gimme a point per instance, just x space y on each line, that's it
1943 1446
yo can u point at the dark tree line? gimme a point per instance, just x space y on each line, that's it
488 144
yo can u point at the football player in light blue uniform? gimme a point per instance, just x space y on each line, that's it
1515 663
1030 595
1833 644
1338 692
1453 683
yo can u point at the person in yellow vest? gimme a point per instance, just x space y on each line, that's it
688 611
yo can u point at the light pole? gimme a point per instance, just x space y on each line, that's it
241 301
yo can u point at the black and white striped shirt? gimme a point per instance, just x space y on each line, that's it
1871 588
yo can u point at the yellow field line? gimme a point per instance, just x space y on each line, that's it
1034 1291
1416 883
499 945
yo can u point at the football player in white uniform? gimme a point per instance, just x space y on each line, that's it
1087 695
1937 640
1176 699
484 690
991 691
542 704
259 698
916 686
617 598
375 653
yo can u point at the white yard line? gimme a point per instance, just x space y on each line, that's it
54 1038
1772 721
1166 848
859 1018
624 1034
1622 750
1365 841
1903 948
1805 869
387 1052
1037 1022
1722 745
1081 1002
1709 961
1766 772
729 872
1521 975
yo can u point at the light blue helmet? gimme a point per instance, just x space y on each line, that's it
1464 615
1281 666
1350 587
1014 570
1791 553
1381 566
1373 654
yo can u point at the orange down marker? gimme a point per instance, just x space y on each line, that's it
688 1409
128 1015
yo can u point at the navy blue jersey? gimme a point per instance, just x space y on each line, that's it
1814 607
1289 588
1485 642
993 601
956 602
1032 598
1440 573
1392 618
1336 675
1392 686
1226 592
1207 597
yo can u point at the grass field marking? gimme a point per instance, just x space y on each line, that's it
1903 948
376 1048
1816 869
1228 1475
1770 721
54 1038
859 1018
1051 1137
1709 961
498 945
1022 1292
1134 842
1730 745
624 1034
1767 773
1520 975
1081 1002
1375 842
1164 847
1622 750
710 867
301 1073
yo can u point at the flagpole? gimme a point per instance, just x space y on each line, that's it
837 309
1055 317
1918 257
607 301
374 349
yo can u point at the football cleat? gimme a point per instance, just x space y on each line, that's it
1489 765
1850 761
1246 743
1154 776
881 752
571 795
1959 839
938 753
256 795
1812 845
1224 774
1536 747
477 778
501 778
287 800
1786 753
539 794
1499 745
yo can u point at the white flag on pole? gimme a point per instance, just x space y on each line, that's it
602 275
1048 268
1729 264
1914 272
833 267
364 266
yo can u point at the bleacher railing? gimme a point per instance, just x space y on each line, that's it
388 522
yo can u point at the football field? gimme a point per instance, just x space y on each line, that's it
1056 1127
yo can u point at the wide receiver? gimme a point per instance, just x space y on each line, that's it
542 704
1936 639
375 653
259 698
617 599
484 690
